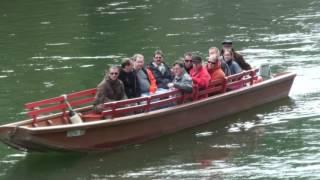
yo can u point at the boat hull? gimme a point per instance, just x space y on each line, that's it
109 134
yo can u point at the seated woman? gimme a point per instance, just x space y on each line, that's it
228 57
227 44
109 89
214 68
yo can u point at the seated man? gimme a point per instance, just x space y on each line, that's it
187 60
110 89
182 80
129 79
160 70
214 68
224 66
147 82
199 75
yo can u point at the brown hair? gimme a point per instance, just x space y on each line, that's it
230 51
179 63
158 52
112 67
126 62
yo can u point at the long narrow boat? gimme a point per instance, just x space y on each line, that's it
137 120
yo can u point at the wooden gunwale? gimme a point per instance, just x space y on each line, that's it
160 112
21 136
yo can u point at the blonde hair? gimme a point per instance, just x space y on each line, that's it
215 49
136 56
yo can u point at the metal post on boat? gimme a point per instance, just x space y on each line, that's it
74 117
252 75
113 109
224 88
265 71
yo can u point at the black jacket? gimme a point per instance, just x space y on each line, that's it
162 79
131 84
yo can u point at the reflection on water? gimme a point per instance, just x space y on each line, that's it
51 48
202 152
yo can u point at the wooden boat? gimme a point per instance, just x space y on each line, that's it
137 120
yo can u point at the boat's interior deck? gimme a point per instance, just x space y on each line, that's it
81 101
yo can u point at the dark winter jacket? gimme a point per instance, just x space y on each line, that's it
109 90
131 84
162 79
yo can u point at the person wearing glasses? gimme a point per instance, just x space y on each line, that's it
225 68
160 70
199 74
187 61
213 67
109 89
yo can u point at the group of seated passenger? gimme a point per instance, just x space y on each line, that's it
135 79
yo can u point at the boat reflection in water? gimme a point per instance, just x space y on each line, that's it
205 149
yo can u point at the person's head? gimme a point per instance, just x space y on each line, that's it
187 59
138 61
196 62
178 68
214 51
158 57
212 60
127 64
227 44
113 73
228 55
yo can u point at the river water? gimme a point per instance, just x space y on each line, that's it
48 48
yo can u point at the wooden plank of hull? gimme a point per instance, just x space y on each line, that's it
109 134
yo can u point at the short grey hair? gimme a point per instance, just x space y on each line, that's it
113 67
136 56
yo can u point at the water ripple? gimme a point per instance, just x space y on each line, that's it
74 57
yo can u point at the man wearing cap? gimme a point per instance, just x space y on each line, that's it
199 74
227 44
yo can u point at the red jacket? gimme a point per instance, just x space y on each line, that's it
201 77
216 73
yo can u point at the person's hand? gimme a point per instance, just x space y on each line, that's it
170 85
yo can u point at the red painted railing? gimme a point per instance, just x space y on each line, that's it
136 105
57 104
